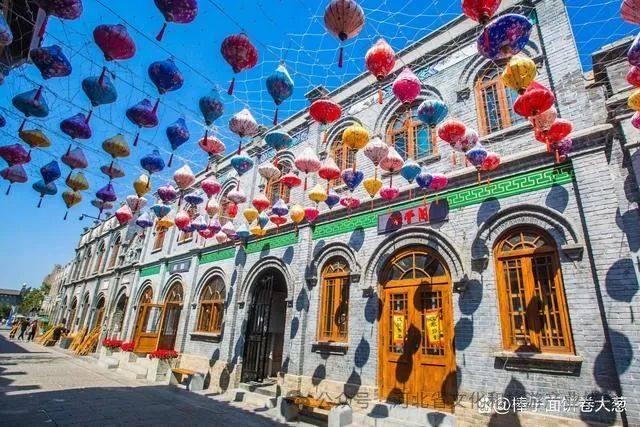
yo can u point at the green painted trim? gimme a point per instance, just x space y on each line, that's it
218 255
458 198
273 242
150 271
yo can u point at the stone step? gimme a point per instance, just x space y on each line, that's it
253 399
108 362
134 372
270 390
390 415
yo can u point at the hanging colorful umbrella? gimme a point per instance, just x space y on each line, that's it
633 55
278 140
389 193
71 198
211 107
296 213
178 11
75 159
184 177
76 127
332 199
324 112
311 214
102 205
107 193
476 156
438 181
392 163
562 149
115 42
212 146
329 171
634 100
167 193
536 99
182 219
244 125
480 10
152 162
116 146
410 170
237 196
406 87
380 61
45 189
452 131
468 141
519 73
269 171
352 178
544 120
113 171
124 214
633 76
344 19
177 134
221 237
307 162
34 138
350 202
355 137
261 202
14 154
31 104
280 87
238 51
212 207
372 186
558 131
136 203
143 115
63 9
504 37
424 178
210 186
630 11
491 163
161 210
290 180
635 120
6 35
432 111
262 220
50 172
77 182
376 150
318 194
142 185
100 91
250 214
243 233
51 61
13 174
144 221
242 163
165 75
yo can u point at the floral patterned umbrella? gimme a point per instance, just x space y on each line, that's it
99 93
51 61
212 108
178 11
210 186
76 127
480 10
504 37
14 154
630 11
45 189
380 61
63 9
244 125
177 134
238 51
50 172
152 162
324 112
71 198
75 159
143 115
34 138
167 193
406 87
31 103
476 156
166 76
355 137
278 140
136 202
280 86
432 111
124 214
307 162
344 19
535 100
13 174
376 150
115 42
77 182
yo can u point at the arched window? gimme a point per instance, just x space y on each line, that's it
494 102
411 138
275 189
211 310
87 262
533 309
115 252
174 296
147 296
416 263
101 250
158 242
343 156
334 301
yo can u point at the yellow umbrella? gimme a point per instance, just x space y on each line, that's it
519 73
296 213
250 214
35 138
142 185
634 100
317 194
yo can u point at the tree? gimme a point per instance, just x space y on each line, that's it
31 301
5 310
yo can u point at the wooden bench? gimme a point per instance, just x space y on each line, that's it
194 381
310 402
333 414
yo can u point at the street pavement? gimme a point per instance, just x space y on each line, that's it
46 386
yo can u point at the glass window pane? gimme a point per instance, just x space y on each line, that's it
423 141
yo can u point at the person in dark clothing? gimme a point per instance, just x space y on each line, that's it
33 328
23 328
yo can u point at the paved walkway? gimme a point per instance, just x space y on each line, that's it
45 386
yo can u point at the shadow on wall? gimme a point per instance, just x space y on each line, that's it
628 224
603 368
471 298
557 198
362 353
356 240
463 333
302 300
295 324
319 374
241 258
352 386
487 209
287 257
373 308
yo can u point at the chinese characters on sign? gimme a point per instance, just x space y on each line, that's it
431 213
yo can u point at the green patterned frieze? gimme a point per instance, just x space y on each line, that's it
150 271
277 241
218 255
458 198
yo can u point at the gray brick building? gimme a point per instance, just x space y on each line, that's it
279 324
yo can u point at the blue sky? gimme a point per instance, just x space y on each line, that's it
33 240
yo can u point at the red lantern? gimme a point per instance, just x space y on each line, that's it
535 100
380 60
240 53
325 111
452 131
633 76
231 210
291 180
278 220
344 19
480 10
558 131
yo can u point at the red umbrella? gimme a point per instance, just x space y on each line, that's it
325 111
238 51
535 100
344 19
380 60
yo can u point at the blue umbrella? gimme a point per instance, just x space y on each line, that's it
280 86
178 134
165 76
45 189
50 172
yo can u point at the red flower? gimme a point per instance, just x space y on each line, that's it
163 354
111 343
127 346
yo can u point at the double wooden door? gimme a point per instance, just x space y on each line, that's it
416 344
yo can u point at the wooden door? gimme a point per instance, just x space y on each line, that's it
169 326
148 327
417 362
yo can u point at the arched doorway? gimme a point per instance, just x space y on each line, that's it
147 323
99 316
117 318
264 334
416 352
72 313
171 318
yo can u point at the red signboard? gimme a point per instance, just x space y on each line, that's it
420 215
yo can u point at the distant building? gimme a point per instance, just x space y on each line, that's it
12 297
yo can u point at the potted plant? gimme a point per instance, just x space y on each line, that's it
161 363
127 355
109 346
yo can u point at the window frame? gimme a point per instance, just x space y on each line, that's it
334 335
115 253
410 130
217 309
342 155
533 325
187 236
158 241
272 185
101 251
507 117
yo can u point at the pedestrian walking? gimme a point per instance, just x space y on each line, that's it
23 328
33 328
